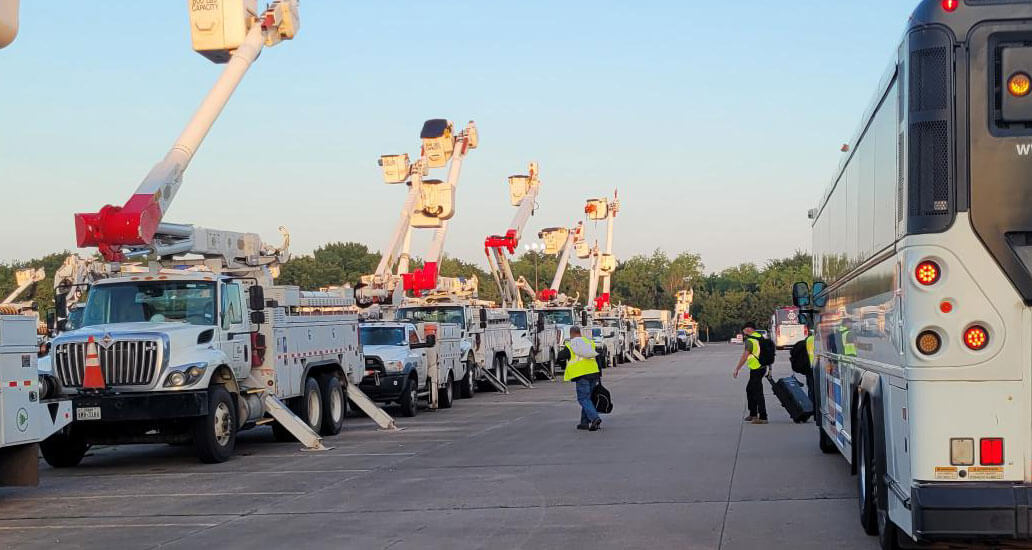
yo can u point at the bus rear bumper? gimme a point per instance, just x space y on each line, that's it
965 511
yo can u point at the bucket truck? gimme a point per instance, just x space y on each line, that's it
202 344
687 328
557 306
536 339
430 203
607 322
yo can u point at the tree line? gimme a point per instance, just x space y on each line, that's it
723 300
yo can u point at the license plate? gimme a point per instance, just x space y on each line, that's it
87 413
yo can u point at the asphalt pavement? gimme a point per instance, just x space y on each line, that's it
673 467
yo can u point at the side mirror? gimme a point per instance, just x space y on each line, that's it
801 295
51 320
257 317
256 298
483 318
584 318
540 323
820 299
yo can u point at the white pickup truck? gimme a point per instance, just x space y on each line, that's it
403 361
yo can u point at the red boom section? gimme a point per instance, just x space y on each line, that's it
113 226
508 242
547 295
602 302
421 280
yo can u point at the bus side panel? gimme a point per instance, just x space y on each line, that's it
897 447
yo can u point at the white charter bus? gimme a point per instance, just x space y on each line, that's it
924 328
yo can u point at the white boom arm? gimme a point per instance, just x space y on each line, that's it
563 242
134 224
602 264
25 279
523 193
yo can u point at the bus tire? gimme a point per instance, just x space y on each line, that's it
825 443
410 398
64 449
215 432
867 475
334 404
889 535
445 395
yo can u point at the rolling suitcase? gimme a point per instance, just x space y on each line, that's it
793 398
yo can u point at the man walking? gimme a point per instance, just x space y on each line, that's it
582 369
754 389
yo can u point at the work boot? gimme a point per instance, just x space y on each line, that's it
749 418
595 425
582 426
759 421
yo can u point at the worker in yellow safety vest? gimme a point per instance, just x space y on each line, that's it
754 389
582 369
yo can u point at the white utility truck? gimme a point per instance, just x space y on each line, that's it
486 347
202 344
27 415
536 339
660 327
405 362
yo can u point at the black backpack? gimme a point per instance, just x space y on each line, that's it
801 359
602 399
767 350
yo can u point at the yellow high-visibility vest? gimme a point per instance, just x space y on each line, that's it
809 348
579 366
753 342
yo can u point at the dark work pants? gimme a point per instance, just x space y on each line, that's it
754 394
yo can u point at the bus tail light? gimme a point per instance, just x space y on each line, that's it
962 451
929 342
991 451
1019 85
976 338
928 273
950 5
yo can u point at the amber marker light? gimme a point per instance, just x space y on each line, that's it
1019 85
929 342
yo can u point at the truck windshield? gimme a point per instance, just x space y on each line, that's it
654 324
611 323
190 302
596 332
518 319
382 336
440 314
559 316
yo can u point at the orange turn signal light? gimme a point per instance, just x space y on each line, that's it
1019 85
929 342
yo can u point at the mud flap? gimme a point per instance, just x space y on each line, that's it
292 423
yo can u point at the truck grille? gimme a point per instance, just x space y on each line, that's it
124 363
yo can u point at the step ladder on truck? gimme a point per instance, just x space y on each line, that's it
196 343
536 339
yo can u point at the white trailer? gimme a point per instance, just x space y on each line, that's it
27 415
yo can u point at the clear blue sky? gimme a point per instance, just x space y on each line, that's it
719 122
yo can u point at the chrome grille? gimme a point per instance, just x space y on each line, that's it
124 362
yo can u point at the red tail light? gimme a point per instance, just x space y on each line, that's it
991 451
950 5
976 338
928 273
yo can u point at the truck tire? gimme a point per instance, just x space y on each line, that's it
469 383
64 449
215 433
309 407
445 395
334 404
410 398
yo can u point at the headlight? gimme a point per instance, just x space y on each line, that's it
393 366
184 375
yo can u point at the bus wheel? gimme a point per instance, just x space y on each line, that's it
888 533
866 475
